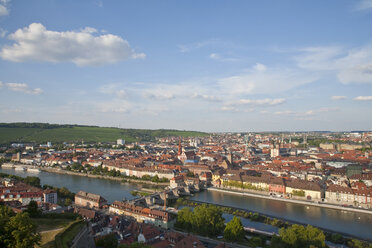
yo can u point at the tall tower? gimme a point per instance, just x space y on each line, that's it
230 158
305 139
179 147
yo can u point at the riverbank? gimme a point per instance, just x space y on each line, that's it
271 220
308 203
129 180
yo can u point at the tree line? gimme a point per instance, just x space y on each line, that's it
17 230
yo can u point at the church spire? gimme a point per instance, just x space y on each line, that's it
179 147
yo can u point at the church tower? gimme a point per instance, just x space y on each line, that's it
179 147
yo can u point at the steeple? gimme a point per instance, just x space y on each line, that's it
179 147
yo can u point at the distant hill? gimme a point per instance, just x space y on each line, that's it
44 132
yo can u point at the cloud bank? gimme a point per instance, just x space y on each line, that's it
21 87
83 48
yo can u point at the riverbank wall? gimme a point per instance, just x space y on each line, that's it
308 203
129 180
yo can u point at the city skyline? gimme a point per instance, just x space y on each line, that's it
215 67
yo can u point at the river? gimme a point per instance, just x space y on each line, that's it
355 224
111 190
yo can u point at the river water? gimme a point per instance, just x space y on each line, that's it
355 224
111 190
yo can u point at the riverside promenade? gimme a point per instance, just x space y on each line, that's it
308 203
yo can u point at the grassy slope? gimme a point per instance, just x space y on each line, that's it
69 234
88 134
49 228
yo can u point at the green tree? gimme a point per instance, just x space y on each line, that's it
208 220
255 242
68 202
33 181
234 230
354 243
5 214
300 236
155 179
21 232
337 238
205 220
185 219
33 210
108 241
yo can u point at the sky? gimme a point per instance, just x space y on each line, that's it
216 66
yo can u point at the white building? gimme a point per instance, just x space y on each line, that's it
120 142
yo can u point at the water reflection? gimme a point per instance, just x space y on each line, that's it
109 189
356 224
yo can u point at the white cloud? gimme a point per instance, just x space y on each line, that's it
121 93
22 87
159 94
207 97
115 106
89 30
364 4
360 73
214 56
2 33
338 97
271 81
285 112
350 65
185 48
229 109
318 58
260 67
363 98
305 113
153 109
81 48
4 8
113 89
259 102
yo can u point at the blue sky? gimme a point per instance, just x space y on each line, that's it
195 65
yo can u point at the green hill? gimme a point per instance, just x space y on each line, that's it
44 132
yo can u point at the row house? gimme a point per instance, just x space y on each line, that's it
312 190
366 178
345 195
156 217
23 197
140 172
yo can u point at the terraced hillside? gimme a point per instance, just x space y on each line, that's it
41 133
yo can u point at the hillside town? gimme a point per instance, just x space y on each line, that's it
326 169
336 170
